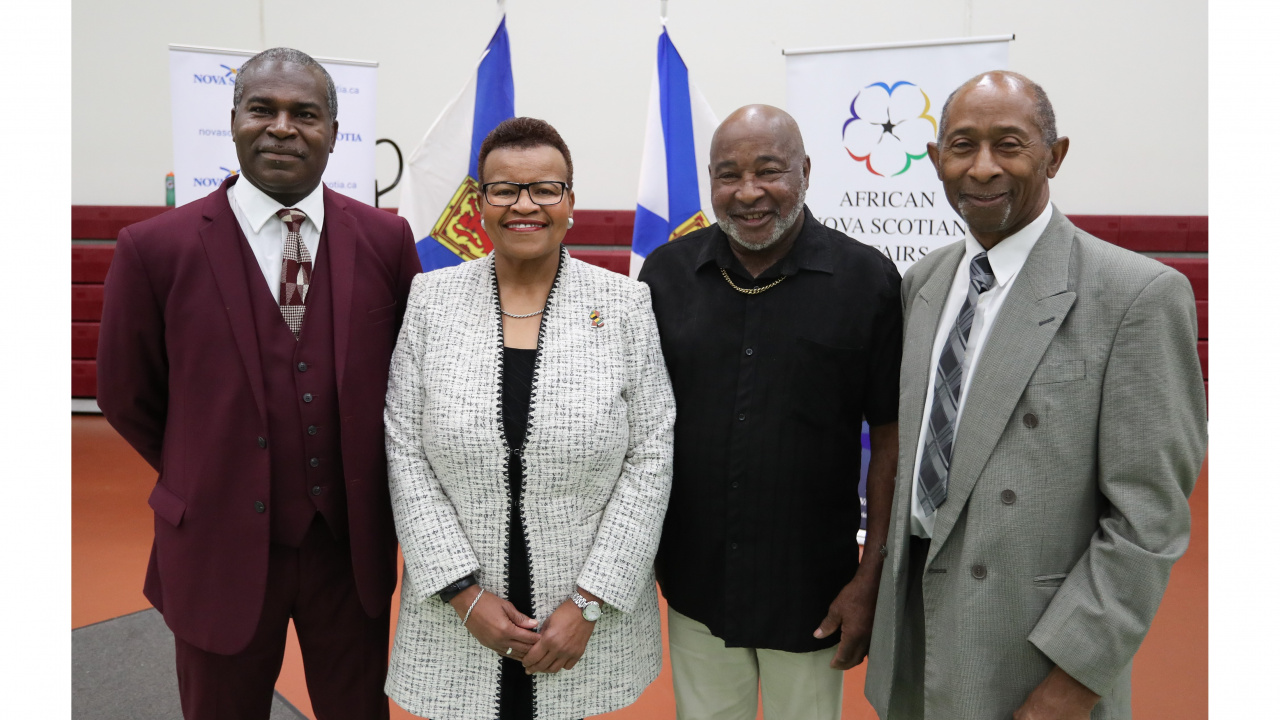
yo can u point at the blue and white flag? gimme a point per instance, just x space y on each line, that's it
675 190
441 195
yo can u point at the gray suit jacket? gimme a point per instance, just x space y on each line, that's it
1081 438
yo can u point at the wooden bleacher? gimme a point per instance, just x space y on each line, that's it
599 237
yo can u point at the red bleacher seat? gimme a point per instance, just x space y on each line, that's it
89 262
86 302
84 340
618 261
84 378
1202 318
1196 270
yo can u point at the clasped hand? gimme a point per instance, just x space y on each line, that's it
498 625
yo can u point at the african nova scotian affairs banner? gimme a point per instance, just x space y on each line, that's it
201 84
866 114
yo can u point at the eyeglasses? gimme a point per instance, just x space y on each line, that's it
504 194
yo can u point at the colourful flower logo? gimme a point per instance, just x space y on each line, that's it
890 127
230 71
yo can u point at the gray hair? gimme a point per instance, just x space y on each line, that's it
285 55
1044 118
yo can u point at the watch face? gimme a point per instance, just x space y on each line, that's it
591 612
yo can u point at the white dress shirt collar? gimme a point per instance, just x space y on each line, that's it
1009 255
259 207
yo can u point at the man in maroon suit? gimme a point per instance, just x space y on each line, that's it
245 344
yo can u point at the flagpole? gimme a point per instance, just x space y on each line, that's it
662 12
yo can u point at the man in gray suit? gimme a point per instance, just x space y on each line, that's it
1052 424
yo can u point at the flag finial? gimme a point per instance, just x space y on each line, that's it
662 12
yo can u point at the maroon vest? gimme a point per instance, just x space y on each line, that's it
302 406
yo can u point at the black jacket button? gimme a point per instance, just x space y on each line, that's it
259 506
1008 497
1030 420
979 571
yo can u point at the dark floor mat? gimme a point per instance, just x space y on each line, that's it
122 669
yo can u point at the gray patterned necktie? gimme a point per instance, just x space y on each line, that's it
935 464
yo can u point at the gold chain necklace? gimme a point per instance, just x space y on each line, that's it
750 291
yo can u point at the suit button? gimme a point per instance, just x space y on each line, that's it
262 442
306 397
1030 420
1008 497
979 571
750 352
312 430
316 490
734 484
733 546
742 416
315 462
259 506
302 367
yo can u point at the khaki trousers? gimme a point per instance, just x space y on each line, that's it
713 682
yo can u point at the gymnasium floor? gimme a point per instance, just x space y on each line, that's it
111 539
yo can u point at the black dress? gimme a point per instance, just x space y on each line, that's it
515 695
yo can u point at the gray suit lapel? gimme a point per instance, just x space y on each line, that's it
924 308
1037 304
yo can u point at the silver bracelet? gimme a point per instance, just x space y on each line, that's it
474 600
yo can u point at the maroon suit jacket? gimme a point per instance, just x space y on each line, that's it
179 376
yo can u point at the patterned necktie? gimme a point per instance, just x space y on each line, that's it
935 464
295 270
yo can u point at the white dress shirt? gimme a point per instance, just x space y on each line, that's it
256 213
1006 258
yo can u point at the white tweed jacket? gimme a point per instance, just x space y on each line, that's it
597 462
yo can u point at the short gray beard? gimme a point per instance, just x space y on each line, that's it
779 230
1004 219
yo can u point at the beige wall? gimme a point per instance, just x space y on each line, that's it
1128 78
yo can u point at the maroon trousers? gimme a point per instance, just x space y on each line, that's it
344 651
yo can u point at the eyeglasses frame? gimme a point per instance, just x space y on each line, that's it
524 188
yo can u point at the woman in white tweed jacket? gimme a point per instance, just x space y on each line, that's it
588 488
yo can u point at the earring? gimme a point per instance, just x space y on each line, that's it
570 223
482 227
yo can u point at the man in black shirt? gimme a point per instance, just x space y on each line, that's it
781 336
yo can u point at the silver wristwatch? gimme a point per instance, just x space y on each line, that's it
590 608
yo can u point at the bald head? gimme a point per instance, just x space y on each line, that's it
1013 83
758 121
759 174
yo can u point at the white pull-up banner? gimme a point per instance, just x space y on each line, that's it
866 114
201 81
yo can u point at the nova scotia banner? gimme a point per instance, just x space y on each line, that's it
201 85
675 192
440 194
866 114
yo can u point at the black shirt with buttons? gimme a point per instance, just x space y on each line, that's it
771 392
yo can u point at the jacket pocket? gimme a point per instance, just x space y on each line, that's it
1058 373
1053 580
382 314
167 505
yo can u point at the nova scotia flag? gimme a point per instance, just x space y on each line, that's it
675 192
441 195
